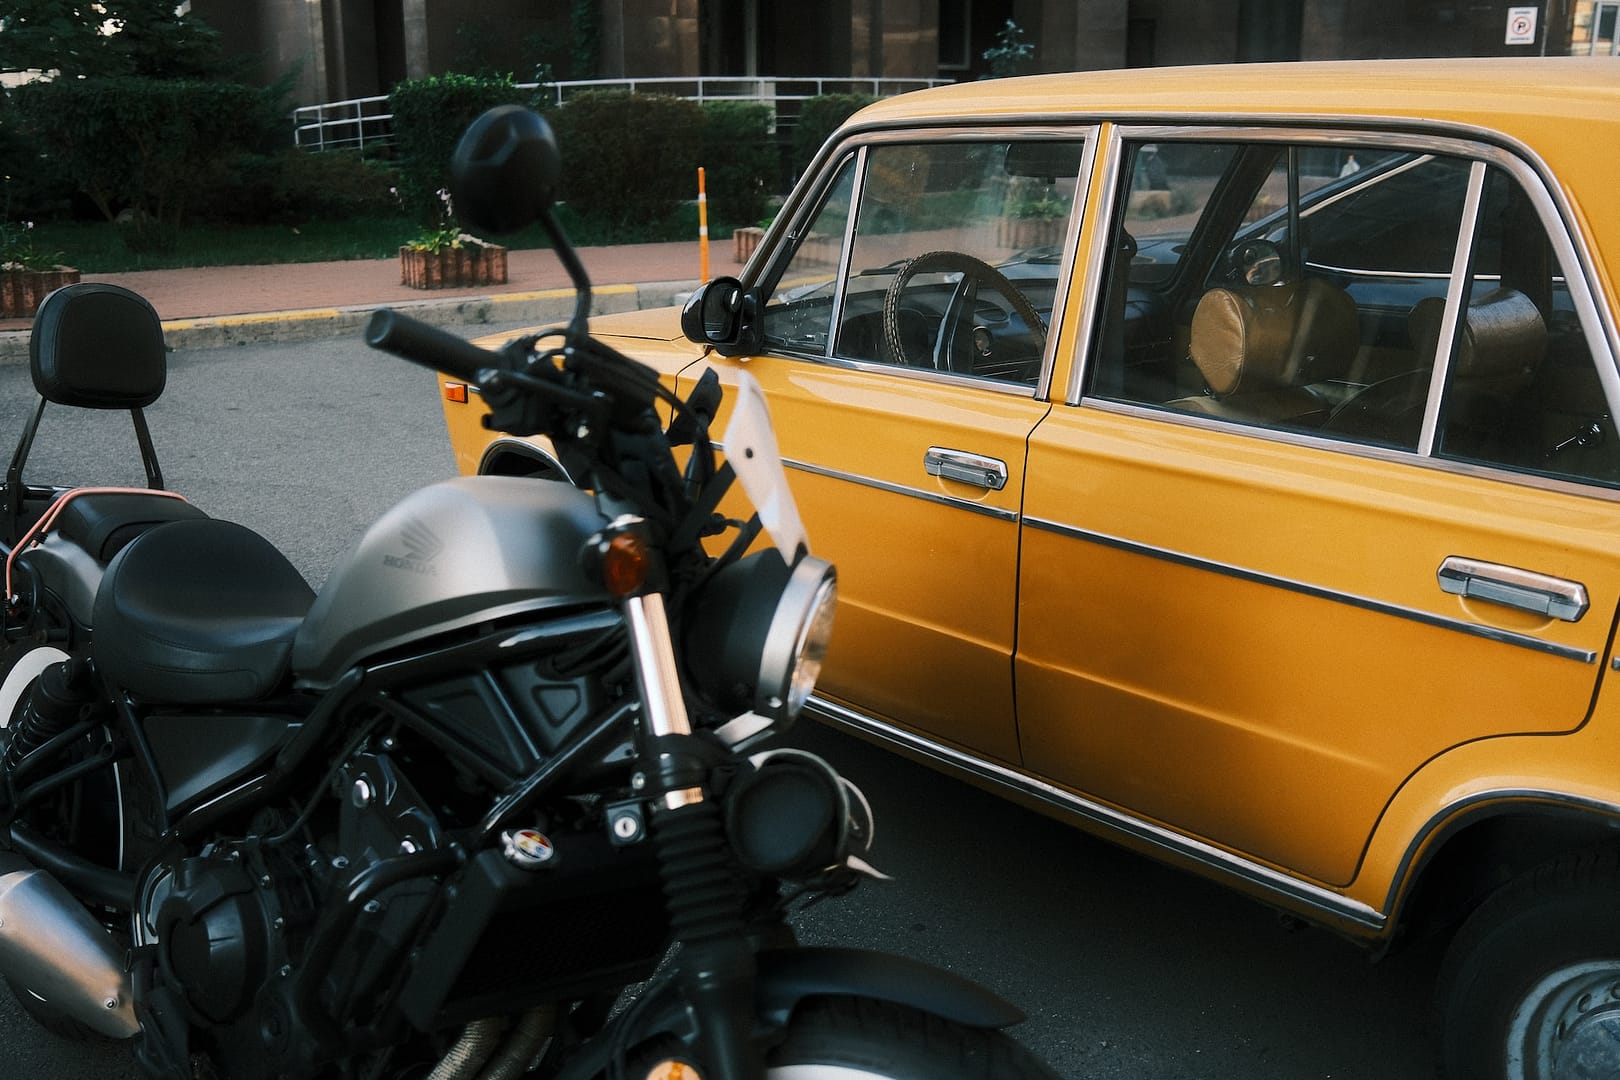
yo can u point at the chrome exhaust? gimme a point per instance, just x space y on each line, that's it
52 949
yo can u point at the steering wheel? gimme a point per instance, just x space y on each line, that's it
954 349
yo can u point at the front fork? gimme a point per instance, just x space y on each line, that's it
715 965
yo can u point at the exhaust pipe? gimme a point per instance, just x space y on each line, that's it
52 948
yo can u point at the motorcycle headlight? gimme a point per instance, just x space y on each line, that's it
759 633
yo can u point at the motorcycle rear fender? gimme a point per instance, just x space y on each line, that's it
786 977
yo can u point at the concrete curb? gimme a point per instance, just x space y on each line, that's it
548 306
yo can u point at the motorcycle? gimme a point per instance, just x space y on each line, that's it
492 802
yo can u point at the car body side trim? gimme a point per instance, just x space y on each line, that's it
1505 637
1323 901
997 512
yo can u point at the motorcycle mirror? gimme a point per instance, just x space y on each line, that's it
504 172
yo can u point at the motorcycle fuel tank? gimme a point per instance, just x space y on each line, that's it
447 556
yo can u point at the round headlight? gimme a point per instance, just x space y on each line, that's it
796 646
758 633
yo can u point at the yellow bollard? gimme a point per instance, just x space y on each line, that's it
703 229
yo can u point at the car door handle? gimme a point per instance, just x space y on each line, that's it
1524 589
959 465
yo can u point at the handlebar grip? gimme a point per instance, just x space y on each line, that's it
420 343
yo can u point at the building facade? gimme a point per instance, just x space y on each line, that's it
340 49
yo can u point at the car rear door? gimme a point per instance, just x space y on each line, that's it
1244 623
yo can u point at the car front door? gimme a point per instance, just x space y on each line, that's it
1273 563
905 362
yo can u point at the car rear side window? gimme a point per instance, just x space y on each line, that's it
1330 290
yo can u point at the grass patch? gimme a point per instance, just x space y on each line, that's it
99 248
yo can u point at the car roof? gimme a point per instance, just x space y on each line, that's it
1564 110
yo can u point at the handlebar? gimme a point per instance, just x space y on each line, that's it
416 341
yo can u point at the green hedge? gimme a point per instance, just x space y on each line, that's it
740 160
140 145
430 116
818 119
628 159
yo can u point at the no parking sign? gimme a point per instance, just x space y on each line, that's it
1521 25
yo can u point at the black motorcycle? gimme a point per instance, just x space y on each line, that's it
490 803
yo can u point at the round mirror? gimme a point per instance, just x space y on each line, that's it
504 171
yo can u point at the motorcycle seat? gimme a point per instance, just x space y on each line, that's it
196 612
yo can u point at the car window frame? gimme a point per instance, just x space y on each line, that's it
857 145
1482 149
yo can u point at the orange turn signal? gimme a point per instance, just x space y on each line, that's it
624 564
455 391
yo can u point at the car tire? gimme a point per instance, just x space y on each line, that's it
1530 988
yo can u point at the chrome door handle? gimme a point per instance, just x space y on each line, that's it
1523 589
966 468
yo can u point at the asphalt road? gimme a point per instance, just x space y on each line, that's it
1126 969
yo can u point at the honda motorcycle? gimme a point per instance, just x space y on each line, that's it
491 802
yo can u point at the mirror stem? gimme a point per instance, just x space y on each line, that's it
576 272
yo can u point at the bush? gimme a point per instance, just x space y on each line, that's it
740 160
430 116
628 159
140 145
292 185
818 119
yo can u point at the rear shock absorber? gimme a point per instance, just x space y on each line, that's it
55 703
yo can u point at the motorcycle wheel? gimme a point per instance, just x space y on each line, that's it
850 1038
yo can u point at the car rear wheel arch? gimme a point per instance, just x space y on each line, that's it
1478 853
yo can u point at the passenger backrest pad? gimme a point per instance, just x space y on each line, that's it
98 346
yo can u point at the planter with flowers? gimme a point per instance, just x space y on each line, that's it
449 260
26 273
444 257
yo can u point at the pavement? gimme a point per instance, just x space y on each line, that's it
235 305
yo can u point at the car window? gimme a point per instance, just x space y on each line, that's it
1304 289
954 249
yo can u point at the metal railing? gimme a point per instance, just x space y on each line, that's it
362 122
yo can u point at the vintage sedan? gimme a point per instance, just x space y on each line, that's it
1224 460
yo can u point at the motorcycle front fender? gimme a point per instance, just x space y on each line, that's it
784 978
788 976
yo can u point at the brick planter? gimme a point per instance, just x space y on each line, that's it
22 290
470 264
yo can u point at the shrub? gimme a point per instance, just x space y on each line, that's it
628 159
292 185
818 119
430 116
139 145
740 160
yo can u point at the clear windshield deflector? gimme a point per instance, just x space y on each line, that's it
750 443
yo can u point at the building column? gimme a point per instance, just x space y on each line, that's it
417 62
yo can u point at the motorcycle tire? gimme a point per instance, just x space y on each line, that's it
851 1038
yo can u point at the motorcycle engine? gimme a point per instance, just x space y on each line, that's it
227 928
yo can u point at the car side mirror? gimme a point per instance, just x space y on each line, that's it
721 315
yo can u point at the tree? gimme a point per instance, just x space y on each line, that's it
80 38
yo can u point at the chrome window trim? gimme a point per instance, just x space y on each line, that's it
1364 450
857 143
1462 257
1304 893
1477 144
1304 588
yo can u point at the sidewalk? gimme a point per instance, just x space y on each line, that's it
227 305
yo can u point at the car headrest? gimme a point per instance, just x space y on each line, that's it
97 346
1259 338
1503 334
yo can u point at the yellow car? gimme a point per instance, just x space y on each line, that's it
1224 460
